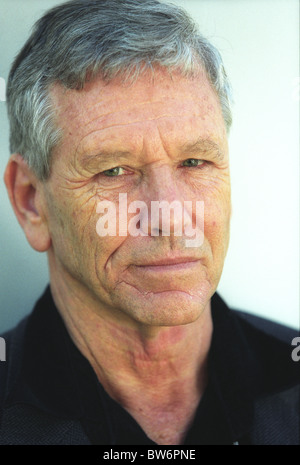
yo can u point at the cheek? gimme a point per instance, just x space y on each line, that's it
217 202
217 211
70 225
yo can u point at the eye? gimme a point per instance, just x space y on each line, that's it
113 172
191 162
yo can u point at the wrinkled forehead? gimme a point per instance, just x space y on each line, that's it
170 101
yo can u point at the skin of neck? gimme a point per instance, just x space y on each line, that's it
149 370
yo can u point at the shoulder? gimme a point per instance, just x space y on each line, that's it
10 367
269 327
265 346
267 350
271 346
23 418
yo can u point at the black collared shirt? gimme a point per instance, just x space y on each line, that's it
56 379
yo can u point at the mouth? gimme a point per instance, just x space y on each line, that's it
169 264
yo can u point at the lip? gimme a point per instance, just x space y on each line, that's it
169 264
169 261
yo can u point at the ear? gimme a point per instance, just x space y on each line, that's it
26 196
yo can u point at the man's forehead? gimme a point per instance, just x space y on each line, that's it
102 113
160 88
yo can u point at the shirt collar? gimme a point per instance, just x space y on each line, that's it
233 371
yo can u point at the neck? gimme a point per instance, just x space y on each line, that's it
156 370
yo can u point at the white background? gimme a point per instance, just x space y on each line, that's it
258 40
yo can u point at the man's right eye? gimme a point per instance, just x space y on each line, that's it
193 162
113 172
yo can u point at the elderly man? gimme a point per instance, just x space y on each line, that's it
117 107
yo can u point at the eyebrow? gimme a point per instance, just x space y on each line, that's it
90 161
203 146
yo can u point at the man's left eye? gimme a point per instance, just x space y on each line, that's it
190 162
113 171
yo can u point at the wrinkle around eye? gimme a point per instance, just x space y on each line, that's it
70 184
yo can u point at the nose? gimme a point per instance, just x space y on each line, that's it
167 213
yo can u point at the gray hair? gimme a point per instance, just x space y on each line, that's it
84 38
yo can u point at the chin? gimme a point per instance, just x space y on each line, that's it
167 308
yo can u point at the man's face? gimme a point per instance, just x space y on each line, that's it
139 140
